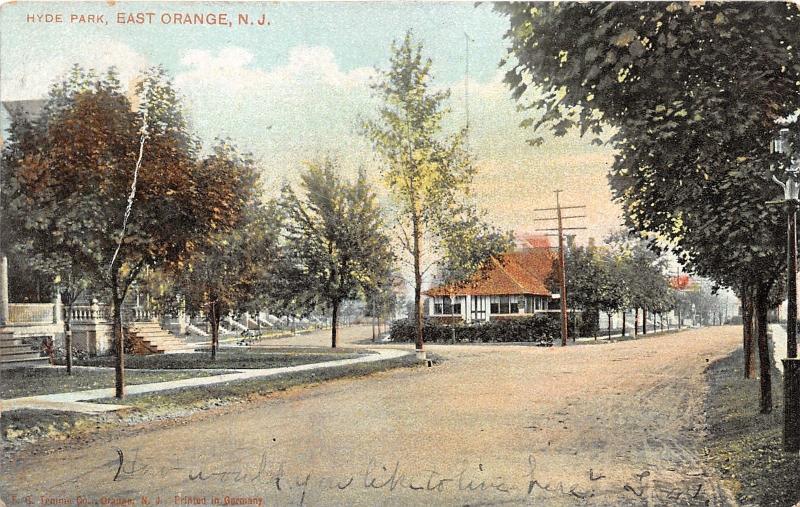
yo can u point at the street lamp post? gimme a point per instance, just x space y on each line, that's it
791 365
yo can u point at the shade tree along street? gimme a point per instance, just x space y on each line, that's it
116 183
335 247
689 97
230 271
428 172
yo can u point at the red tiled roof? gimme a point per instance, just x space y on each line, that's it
523 272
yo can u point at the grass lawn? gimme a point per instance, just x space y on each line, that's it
21 427
245 389
27 381
250 357
745 446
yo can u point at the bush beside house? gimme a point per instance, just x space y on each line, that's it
538 328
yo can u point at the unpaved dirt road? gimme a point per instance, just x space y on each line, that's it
612 424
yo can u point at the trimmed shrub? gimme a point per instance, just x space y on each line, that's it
537 328
588 323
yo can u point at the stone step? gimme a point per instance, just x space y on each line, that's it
10 340
148 331
17 351
162 345
157 340
15 362
4 349
154 334
25 353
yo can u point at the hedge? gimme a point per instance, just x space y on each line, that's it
538 328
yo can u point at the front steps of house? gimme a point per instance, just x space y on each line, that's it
13 352
150 338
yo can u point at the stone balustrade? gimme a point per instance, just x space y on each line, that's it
139 314
90 313
31 313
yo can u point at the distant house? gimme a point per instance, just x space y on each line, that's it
508 286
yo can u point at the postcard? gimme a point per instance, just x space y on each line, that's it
399 253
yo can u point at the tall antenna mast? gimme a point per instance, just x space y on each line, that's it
466 78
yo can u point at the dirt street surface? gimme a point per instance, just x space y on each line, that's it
616 424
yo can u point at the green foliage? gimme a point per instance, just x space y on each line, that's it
690 94
625 274
229 271
115 186
423 168
467 241
335 245
72 169
427 172
538 328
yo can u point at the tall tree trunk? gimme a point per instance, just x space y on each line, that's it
635 322
119 341
761 310
623 323
747 334
215 316
644 320
609 327
68 337
417 252
334 322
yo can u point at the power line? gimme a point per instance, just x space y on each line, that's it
562 265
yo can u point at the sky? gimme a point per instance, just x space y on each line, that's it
296 89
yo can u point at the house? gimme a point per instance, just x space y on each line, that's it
507 286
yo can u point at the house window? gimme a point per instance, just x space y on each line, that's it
443 305
479 308
500 305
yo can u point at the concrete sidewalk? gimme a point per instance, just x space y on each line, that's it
76 401
628 335
778 343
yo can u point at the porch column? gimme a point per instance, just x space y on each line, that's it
183 319
4 291
57 307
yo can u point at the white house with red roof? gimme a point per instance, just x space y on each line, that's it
507 286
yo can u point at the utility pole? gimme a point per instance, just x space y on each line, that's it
563 270
561 263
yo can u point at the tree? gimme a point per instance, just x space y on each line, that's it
382 299
116 186
32 283
612 294
648 286
425 170
335 245
71 283
36 256
231 268
584 279
692 93
467 241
